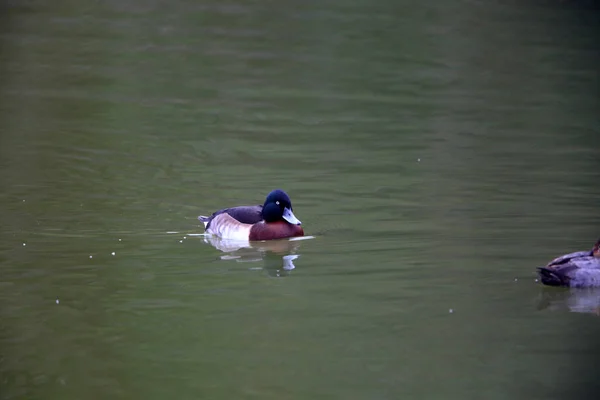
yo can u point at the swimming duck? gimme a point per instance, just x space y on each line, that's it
273 220
579 269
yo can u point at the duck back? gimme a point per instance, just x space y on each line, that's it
244 214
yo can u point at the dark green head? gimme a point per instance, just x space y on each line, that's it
278 207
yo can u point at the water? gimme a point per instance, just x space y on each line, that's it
437 153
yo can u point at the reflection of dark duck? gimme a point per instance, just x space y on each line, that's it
273 220
572 300
277 255
579 269
252 251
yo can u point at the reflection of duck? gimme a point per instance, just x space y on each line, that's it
273 220
579 269
277 254
572 300
251 251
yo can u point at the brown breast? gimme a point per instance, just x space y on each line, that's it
274 230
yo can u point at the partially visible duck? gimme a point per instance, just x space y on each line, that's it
579 269
273 220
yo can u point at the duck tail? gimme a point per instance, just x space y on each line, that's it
204 219
553 277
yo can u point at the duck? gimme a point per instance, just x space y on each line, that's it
579 269
275 219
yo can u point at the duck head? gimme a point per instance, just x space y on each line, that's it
278 207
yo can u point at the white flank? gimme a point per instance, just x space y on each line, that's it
226 227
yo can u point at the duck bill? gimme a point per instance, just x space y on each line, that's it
289 216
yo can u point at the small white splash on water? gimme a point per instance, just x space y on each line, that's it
451 311
536 280
91 256
23 200
171 232
24 244
516 279
181 241
301 238
113 253
185 237
119 240
418 160
57 301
